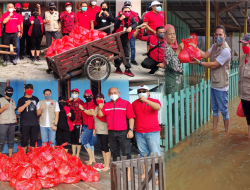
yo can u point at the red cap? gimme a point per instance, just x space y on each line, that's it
75 90
68 3
17 5
88 92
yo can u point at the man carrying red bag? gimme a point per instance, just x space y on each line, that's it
220 54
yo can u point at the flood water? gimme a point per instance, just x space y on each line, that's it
211 160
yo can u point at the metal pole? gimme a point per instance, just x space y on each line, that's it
246 15
207 35
239 44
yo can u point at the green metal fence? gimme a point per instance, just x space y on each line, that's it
191 109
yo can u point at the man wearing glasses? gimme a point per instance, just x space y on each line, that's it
147 129
7 120
125 22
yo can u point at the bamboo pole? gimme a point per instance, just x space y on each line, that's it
246 15
207 35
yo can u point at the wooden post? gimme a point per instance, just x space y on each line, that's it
69 86
216 13
239 44
246 15
207 35
165 11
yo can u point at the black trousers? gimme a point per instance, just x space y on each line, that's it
118 140
126 48
9 38
149 63
35 43
246 110
62 136
76 135
25 38
29 132
103 141
65 34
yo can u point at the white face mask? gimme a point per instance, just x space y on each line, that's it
129 7
143 94
74 96
68 9
11 10
93 3
114 97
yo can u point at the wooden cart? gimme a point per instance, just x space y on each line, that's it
11 47
92 58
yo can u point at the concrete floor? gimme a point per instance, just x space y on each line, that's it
211 160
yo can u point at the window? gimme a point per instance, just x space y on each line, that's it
111 6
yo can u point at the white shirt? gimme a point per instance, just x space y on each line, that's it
223 57
57 109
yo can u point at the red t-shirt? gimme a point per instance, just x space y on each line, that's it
11 25
117 114
94 11
146 119
74 105
20 18
88 119
68 21
154 20
84 19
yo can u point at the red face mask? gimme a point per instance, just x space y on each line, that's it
29 92
99 102
246 49
126 15
26 5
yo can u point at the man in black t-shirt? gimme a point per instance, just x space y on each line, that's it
26 13
26 106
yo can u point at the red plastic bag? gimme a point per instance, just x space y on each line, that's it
240 112
4 176
102 35
61 153
64 169
72 179
93 175
45 155
188 53
13 182
27 173
31 184
48 183
44 170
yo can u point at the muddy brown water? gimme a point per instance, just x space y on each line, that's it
211 160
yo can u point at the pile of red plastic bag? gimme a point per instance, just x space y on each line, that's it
44 167
188 53
79 36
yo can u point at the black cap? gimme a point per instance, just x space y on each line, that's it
127 3
8 89
99 95
245 39
62 98
51 4
35 9
27 86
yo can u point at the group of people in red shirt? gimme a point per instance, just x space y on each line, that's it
115 123
23 25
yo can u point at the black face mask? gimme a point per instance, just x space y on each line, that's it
52 8
18 10
35 14
62 104
88 99
104 9
9 94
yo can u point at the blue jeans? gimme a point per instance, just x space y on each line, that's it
47 134
132 47
87 140
219 102
148 142
18 47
